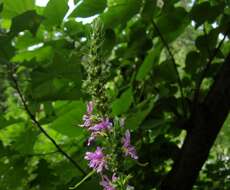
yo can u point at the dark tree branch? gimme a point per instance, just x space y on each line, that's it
204 72
206 123
173 61
35 121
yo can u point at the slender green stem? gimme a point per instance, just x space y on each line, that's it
83 180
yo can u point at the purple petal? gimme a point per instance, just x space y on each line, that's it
91 139
96 160
90 107
129 150
114 177
126 139
105 124
106 183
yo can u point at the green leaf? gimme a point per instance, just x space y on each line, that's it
24 143
1 6
89 8
26 40
172 23
69 174
120 12
45 178
140 46
61 80
6 51
226 48
16 7
55 89
207 43
205 12
13 173
7 122
135 119
74 28
39 54
194 61
227 10
150 60
157 126
168 4
68 122
109 41
149 10
122 104
32 23
55 12
165 72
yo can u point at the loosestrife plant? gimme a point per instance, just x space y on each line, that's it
111 144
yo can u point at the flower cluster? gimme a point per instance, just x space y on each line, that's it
128 148
108 184
100 159
95 125
97 159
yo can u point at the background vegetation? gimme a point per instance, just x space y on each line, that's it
163 57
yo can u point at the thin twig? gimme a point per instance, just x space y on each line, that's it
33 118
173 61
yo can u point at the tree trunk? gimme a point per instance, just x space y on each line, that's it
205 126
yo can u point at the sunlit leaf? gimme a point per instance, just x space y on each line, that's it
120 12
89 8
16 7
68 123
122 104
55 12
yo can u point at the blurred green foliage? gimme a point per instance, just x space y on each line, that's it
47 48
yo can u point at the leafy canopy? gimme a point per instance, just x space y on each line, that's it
46 48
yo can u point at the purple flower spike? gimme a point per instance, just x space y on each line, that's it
105 124
128 148
106 183
97 160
